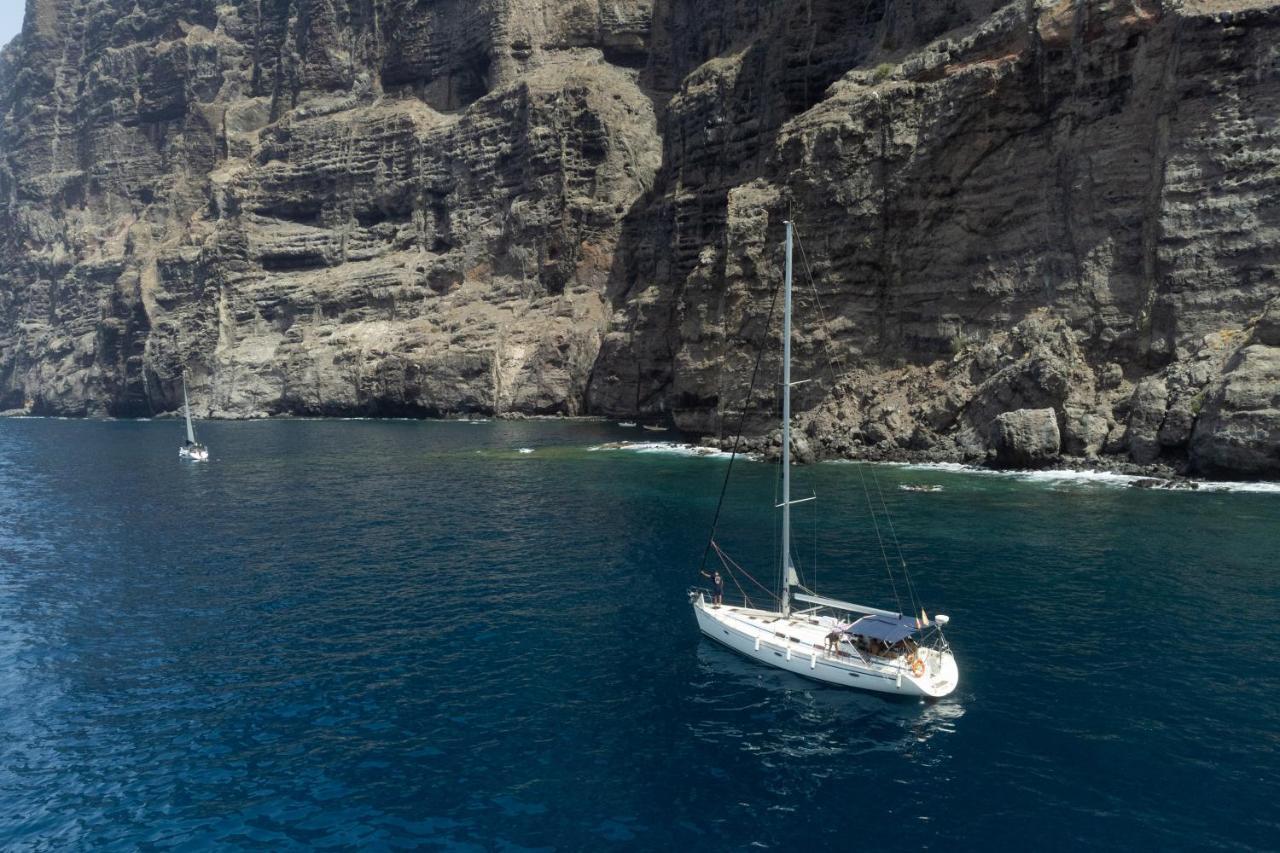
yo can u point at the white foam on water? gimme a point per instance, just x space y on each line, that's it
1227 486
1052 476
345 418
669 447
1063 477
1067 477
927 466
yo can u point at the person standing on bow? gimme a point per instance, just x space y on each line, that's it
717 583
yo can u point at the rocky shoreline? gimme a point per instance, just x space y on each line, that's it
1029 230
804 452
1155 475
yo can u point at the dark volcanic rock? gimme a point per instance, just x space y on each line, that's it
1027 438
396 207
387 207
1012 206
1239 428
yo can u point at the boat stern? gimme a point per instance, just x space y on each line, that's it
196 452
941 675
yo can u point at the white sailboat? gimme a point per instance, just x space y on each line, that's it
833 641
191 449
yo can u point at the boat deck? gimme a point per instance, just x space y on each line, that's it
804 632
798 643
803 629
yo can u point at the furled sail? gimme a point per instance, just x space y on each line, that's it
186 410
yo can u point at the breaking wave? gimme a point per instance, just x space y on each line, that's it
1066 477
671 448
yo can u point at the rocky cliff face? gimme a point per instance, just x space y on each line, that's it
378 207
1015 207
390 206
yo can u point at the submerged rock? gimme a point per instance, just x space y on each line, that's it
1172 485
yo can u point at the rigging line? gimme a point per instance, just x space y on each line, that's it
746 598
737 441
911 591
723 556
875 523
776 526
796 563
832 355
775 410
815 547
831 362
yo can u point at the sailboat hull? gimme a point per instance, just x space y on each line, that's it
797 644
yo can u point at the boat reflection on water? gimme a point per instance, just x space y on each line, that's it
771 711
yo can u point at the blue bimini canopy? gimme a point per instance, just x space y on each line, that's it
889 629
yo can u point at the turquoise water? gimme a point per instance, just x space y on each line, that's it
387 634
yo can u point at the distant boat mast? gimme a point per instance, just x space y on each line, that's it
186 410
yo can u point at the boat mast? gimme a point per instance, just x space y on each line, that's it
787 571
186 410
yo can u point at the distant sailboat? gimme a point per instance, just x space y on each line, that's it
191 449
832 641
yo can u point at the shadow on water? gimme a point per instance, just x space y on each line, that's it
820 719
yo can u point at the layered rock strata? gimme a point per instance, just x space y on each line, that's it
392 207
1066 206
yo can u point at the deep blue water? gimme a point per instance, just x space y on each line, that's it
394 634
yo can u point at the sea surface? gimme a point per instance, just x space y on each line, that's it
476 636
